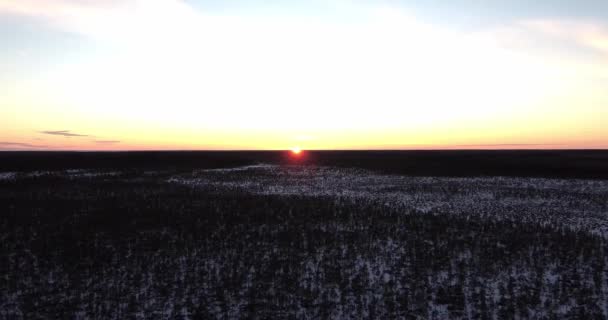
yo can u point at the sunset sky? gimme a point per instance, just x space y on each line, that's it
331 74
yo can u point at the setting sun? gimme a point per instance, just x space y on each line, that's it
296 150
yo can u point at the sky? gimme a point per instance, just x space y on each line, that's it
332 74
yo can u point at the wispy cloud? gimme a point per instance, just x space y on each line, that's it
587 34
554 37
507 145
568 48
5 145
65 133
107 141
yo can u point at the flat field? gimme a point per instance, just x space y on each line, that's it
263 235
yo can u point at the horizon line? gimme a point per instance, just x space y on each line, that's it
307 150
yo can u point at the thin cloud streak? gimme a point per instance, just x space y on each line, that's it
107 141
509 145
6 144
65 133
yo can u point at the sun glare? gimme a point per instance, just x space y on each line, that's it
296 150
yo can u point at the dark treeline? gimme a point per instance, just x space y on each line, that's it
136 249
588 164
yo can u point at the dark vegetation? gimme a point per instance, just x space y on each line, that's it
135 247
588 164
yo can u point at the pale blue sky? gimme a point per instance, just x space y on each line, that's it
460 12
21 33
29 43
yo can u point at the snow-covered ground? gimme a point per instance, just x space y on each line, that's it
268 241
7 176
69 174
578 204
